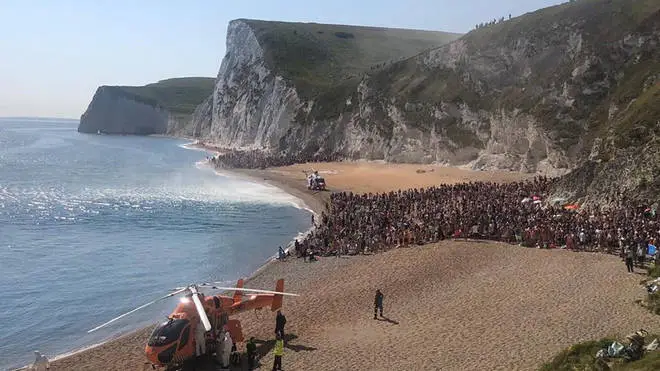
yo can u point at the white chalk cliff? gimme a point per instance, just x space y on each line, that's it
507 99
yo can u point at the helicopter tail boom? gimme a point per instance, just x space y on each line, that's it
238 295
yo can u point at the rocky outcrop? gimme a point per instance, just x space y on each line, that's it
521 95
113 111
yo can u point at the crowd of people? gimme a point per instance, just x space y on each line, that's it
516 212
511 212
258 159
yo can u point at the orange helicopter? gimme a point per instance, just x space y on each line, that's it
172 343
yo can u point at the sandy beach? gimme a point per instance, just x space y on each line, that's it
454 305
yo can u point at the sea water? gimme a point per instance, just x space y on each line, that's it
92 226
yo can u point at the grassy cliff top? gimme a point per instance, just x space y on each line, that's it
603 21
179 95
314 56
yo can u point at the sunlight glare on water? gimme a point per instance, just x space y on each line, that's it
92 226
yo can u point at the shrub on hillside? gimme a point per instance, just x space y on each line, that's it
344 35
653 302
582 357
653 271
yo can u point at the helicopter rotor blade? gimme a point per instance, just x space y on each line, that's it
246 290
201 312
138 308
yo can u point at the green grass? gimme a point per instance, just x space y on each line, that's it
316 57
653 271
641 120
605 21
582 357
652 302
179 95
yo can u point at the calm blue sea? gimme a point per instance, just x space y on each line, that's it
92 226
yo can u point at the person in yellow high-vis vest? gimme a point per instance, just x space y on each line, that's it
278 351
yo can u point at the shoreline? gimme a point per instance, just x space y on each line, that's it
516 282
308 203
311 201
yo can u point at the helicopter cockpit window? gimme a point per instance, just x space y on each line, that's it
167 332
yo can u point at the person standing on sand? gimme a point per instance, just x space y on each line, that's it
226 350
278 352
200 339
251 353
280 321
629 260
378 303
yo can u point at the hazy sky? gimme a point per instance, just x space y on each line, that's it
55 53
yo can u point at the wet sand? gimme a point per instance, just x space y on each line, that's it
453 305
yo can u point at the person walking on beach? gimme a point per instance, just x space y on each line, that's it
629 260
378 303
280 321
227 344
251 353
200 339
278 352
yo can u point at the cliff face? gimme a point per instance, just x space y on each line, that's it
257 100
252 107
526 94
113 112
624 152
166 107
